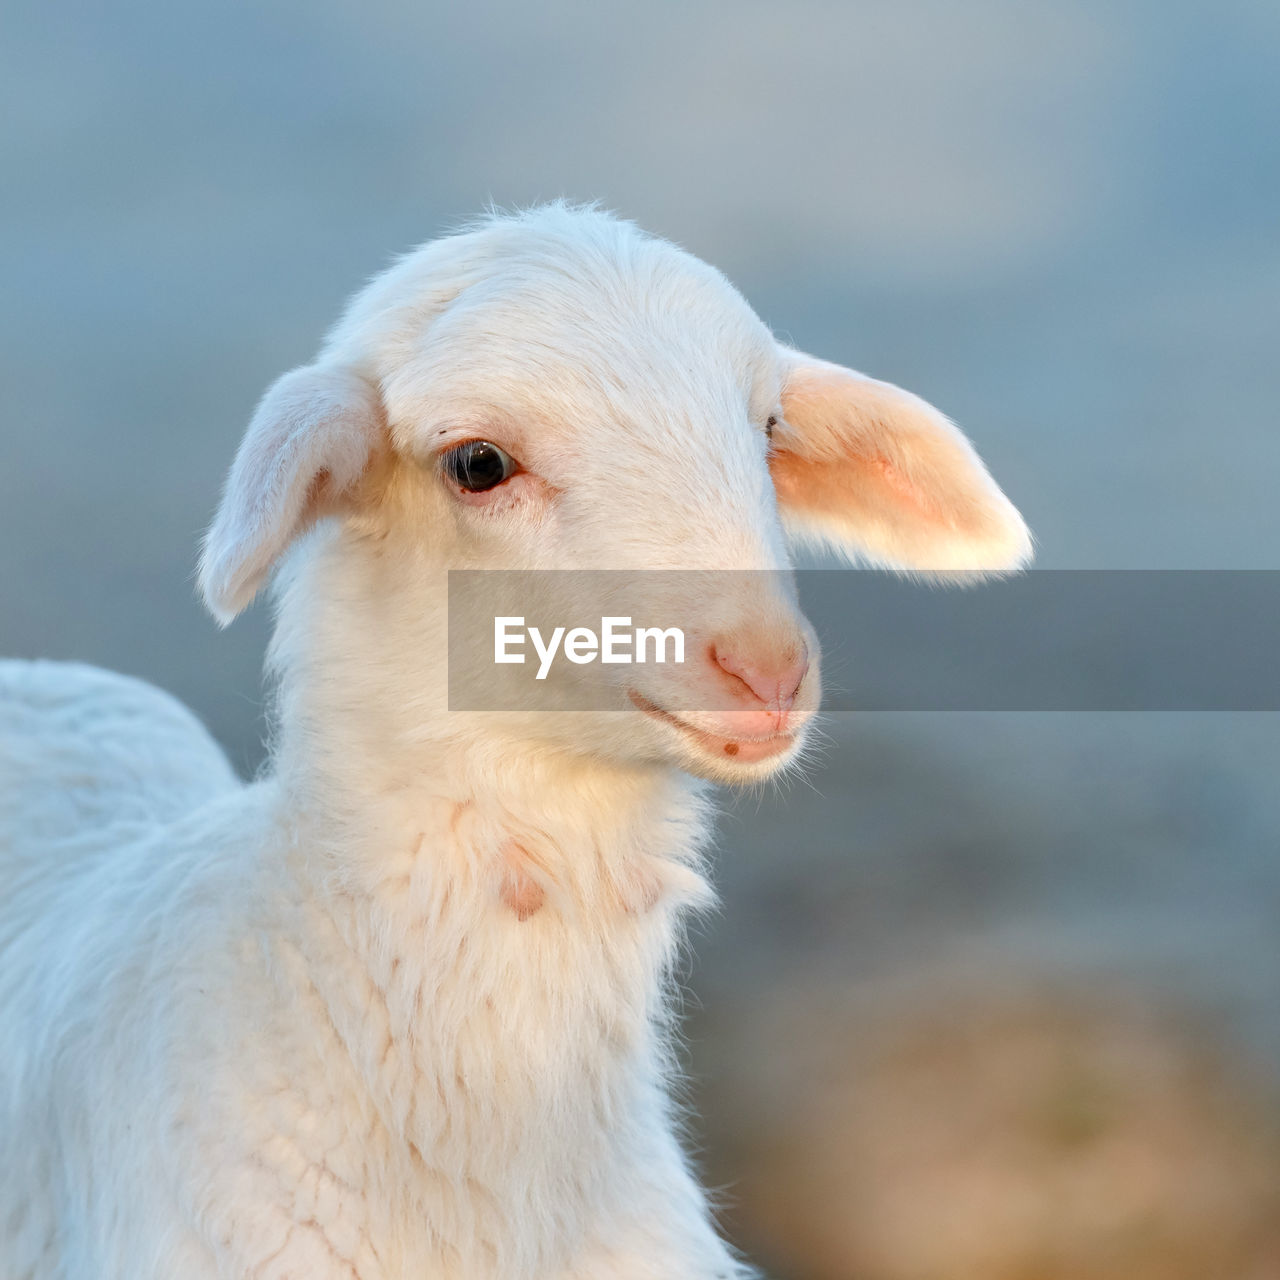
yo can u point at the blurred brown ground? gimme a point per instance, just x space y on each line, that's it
1050 1134
950 1028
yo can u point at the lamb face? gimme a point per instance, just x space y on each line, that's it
559 392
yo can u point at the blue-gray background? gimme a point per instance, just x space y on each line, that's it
1060 221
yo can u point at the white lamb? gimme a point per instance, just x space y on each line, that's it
398 1010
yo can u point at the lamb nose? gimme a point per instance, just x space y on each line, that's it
774 683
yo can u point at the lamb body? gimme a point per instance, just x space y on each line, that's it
401 1007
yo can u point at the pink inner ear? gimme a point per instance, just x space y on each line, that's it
311 438
823 486
881 474
841 429
900 485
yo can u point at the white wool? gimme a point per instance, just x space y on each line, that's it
401 1008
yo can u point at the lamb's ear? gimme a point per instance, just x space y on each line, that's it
310 440
884 477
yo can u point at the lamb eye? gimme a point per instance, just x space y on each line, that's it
478 465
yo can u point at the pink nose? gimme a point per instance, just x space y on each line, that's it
774 684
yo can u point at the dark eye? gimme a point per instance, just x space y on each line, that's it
478 465
769 426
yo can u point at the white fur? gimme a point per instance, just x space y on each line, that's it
400 1008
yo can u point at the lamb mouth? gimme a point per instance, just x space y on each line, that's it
745 750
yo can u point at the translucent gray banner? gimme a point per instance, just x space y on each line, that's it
1048 640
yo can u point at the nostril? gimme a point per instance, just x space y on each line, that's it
795 674
791 678
774 683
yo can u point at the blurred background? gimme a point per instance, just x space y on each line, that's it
991 996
